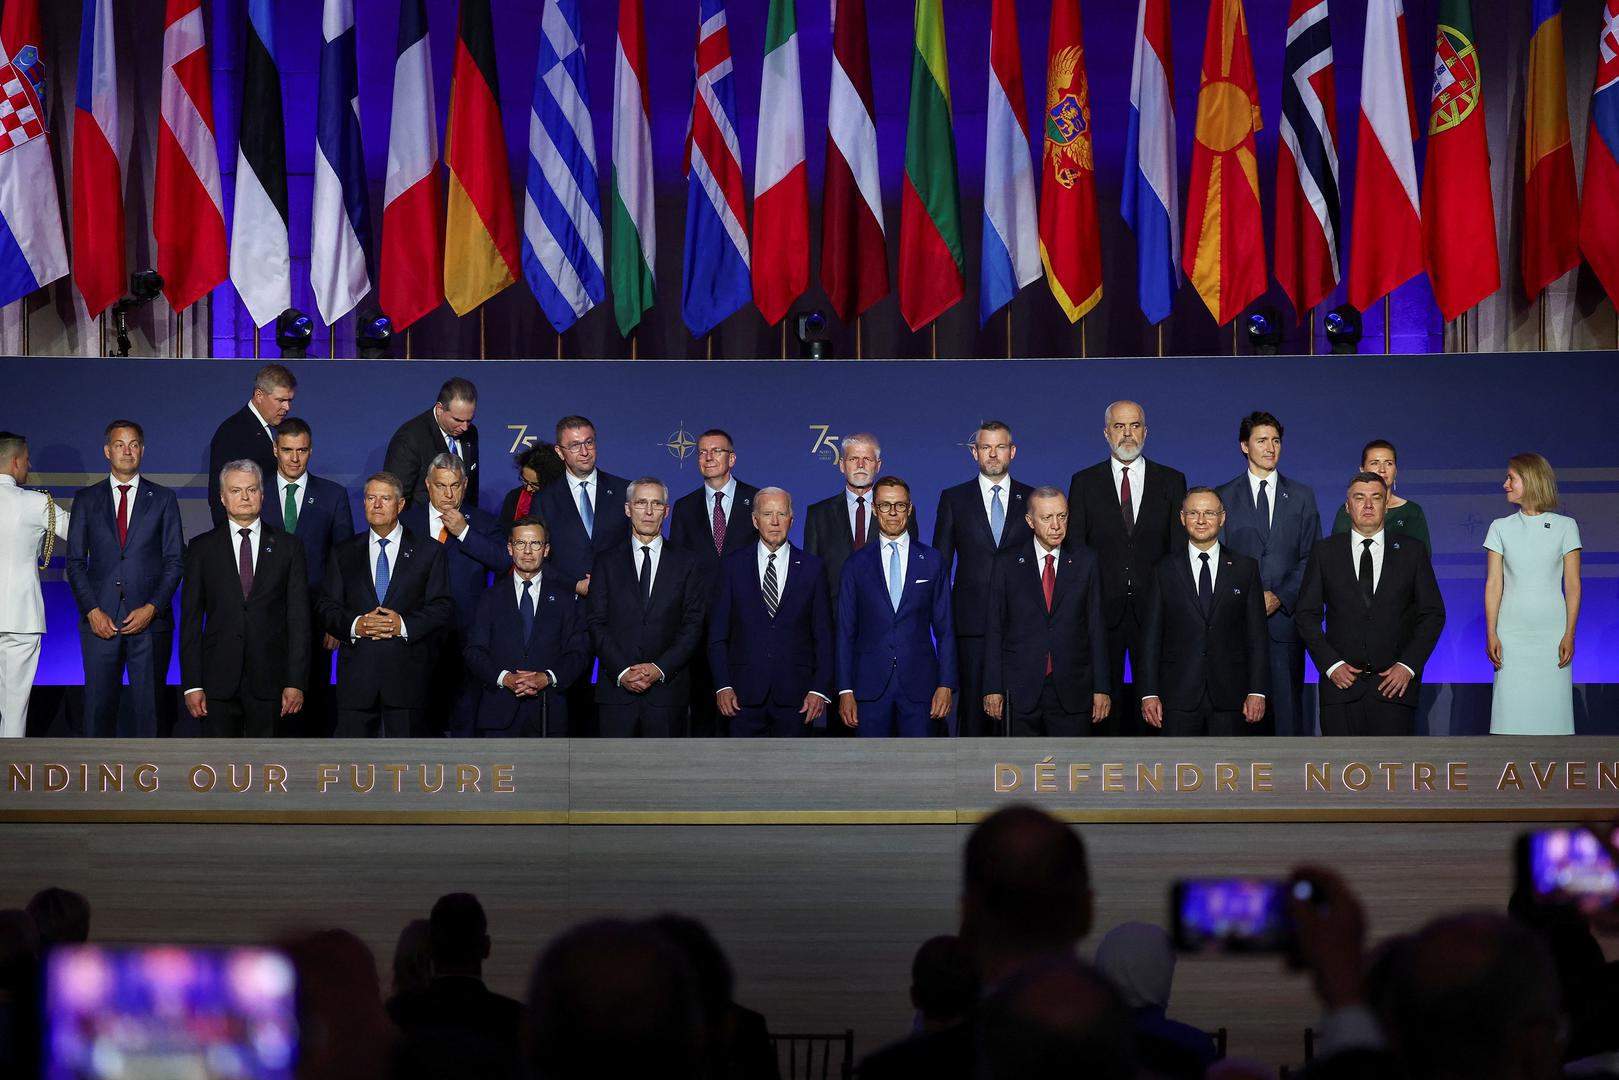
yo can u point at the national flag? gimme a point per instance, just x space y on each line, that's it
1551 200
412 266
1599 214
1151 201
715 279
1308 211
1386 249
932 265
854 248
480 228
1070 237
1011 248
260 260
340 217
1458 208
634 236
188 219
780 175
98 171
32 250
562 213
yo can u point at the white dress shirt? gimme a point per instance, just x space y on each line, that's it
636 544
591 492
986 487
1138 483
781 555
534 595
729 491
1378 539
254 532
435 522
281 485
1192 555
134 483
848 503
269 432
1040 553
1270 491
392 555
904 543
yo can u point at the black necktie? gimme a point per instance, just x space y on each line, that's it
1264 509
525 610
646 574
1366 582
1205 584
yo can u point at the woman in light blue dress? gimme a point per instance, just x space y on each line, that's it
1531 603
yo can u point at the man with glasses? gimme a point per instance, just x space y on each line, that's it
446 428
896 642
645 612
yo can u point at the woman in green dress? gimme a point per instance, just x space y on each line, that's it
1404 516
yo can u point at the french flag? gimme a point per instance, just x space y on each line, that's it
32 252
98 173
1011 257
1151 204
412 266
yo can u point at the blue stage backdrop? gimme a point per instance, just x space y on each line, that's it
1455 420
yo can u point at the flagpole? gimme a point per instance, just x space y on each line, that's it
101 324
559 345
1009 331
1160 338
1540 303
483 338
179 333
407 344
709 340
25 334
635 345
1084 349
255 342
784 339
1386 338
331 339
933 334
1233 337
859 321
1312 332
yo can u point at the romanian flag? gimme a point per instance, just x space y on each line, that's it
480 229
1070 239
1224 252
932 262
1551 214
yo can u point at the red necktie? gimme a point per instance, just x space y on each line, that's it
1048 585
524 501
244 562
1126 502
859 522
719 523
123 514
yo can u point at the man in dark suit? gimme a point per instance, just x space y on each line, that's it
896 643
703 523
645 612
1126 510
244 618
1045 643
1383 614
527 638
125 555
385 596
446 428
977 519
837 527
1273 518
770 630
249 432
1205 668
472 552
317 512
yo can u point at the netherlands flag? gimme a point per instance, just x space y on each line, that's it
32 252
1011 258
717 279
98 172
1151 200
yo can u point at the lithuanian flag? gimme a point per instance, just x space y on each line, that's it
932 263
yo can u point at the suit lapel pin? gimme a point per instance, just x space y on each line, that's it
1284 494
550 598
1020 560
1547 525
1396 547
1236 591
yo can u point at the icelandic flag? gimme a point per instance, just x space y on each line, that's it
1011 257
32 251
260 257
1151 203
562 214
98 171
341 215
717 279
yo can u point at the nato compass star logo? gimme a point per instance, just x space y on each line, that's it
680 443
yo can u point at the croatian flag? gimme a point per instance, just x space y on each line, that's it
1151 203
1011 257
717 280
32 251
341 214
98 172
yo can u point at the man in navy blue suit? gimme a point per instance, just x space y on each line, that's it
770 630
317 512
250 431
527 638
1273 518
893 606
977 519
125 556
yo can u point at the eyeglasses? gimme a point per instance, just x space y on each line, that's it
527 545
1204 515
715 451
891 507
580 446
529 485
648 504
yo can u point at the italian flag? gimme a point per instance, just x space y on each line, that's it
634 235
781 180
932 266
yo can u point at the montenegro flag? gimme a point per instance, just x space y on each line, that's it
1224 246
1070 237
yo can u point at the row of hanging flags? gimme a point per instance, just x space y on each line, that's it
465 246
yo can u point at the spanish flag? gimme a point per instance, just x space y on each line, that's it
1551 213
480 230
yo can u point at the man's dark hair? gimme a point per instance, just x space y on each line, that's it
572 422
944 981
1201 490
1057 1017
993 425
140 432
1026 882
294 426
1367 478
11 445
457 389
719 433
61 916
892 481
529 520
458 931
1257 419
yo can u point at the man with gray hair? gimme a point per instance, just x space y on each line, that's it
249 432
244 618
30 524
645 613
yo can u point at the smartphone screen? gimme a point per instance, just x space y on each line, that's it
1569 866
142 1013
1231 915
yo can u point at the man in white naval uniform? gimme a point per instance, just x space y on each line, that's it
25 520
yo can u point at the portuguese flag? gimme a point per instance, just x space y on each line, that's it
1458 210
932 264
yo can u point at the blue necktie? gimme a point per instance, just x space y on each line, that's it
997 513
382 570
525 609
586 514
896 580
455 446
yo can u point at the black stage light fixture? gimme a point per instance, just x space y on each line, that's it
293 331
1265 330
144 287
813 343
1344 329
371 334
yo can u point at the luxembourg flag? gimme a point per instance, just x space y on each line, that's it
340 217
32 251
1011 257
98 173
1151 203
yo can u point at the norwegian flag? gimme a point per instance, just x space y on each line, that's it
189 218
1308 211
717 278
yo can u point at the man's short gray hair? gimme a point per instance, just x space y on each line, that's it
1107 413
1046 491
12 446
388 478
865 438
645 481
783 492
244 465
448 461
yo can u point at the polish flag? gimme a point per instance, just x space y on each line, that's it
1386 248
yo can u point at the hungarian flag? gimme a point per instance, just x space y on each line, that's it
1070 235
854 252
1307 206
1386 250
1551 201
480 229
780 177
1599 215
412 266
1458 209
634 236
98 171
188 218
1224 250
932 265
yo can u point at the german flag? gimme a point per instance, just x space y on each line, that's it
480 229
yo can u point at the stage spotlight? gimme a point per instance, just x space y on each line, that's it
1265 330
371 334
1344 329
812 340
293 329
144 287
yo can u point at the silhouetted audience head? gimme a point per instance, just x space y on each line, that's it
1579 960
19 988
944 981
716 982
413 958
613 1000
1026 889
1139 960
458 933
344 1032
1057 1017
61 916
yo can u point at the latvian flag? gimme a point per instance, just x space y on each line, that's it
854 255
